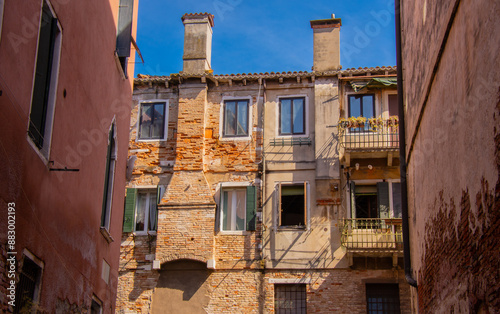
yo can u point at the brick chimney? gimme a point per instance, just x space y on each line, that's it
197 42
326 44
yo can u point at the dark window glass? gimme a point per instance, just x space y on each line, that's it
27 285
362 106
290 298
292 205
235 118
382 299
41 87
393 105
95 308
152 121
292 116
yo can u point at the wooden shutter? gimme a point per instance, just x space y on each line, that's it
124 31
396 200
279 204
128 215
41 88
352 189
305 203
251 208
383 199
218 209
106 178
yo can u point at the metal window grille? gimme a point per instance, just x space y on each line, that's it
290 298
382 298
26 286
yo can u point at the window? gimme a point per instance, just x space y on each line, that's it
96 306
382 298
362 106
141 210
28 286
290 298
238 210
292 116
236 118
393 105
292 205
45 81
152 120
109 178
380 200
124 32
1 16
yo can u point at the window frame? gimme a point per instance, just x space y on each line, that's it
38 281
111 159
252 210
305 117
378 289
96 301
307 206
43 149
234 210
352 212
376 109
150 191
165 120
222 119
303 293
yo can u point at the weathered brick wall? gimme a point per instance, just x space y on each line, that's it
339 290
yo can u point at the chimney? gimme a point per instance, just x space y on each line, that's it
326 44
197 42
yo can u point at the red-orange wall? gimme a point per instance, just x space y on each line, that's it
58 213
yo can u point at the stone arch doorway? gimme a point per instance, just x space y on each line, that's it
182 288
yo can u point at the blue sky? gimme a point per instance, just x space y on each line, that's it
263 36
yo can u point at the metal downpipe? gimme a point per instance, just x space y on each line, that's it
402 153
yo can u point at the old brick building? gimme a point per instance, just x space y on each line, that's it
64 120
246 195
452 96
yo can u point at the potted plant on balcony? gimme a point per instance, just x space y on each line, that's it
393 123
357 122
376 124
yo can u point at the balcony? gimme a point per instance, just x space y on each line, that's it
359 139
372 235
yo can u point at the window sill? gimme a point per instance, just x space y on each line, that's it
243 232
292 228
106 235
234 138
144 233
151 140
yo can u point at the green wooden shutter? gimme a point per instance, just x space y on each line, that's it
106 178
251 208
383 199
128 216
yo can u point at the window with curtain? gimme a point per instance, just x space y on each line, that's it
235 118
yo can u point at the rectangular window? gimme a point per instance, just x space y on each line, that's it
292 116
95 307
233 209
109 178
236 118
362 106
374 200
28 286
290 298
382 298
152 119
146 211
44 86
141 210
293 205
393 105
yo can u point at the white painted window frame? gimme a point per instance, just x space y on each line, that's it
224 186
221 119
44 152
277 119
165 117
373 182
150 189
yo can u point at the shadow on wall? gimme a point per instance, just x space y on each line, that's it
182 287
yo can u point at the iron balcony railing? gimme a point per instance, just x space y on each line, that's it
372 234
364 138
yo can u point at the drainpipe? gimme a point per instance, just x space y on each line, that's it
402 153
